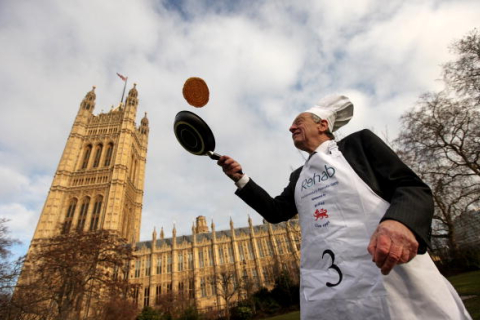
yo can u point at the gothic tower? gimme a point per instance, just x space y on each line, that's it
100 178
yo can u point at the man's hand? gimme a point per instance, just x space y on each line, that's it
391 244
232 168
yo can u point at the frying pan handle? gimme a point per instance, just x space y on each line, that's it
213 155
216 156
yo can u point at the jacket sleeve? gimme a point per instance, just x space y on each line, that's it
410 199
274 210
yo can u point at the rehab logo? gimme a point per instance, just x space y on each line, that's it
328 173
323 216
320 214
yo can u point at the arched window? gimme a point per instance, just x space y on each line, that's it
108 157
98 154
132 168
86 157
83 214
67 224
96 213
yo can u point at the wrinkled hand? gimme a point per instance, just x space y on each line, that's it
391 244
232 168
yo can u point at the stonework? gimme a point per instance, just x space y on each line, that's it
99 184
188 266
100 178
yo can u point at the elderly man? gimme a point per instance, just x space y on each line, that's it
357 202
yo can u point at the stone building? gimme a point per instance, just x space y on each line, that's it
100 178
193 268
99 184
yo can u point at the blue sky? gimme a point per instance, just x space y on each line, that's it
264 61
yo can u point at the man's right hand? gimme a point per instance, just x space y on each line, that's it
232 168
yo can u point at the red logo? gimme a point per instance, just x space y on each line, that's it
322 213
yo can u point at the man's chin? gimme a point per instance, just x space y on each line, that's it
299 145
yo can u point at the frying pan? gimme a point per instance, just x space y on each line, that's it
194 135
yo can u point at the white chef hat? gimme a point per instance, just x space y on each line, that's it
336 109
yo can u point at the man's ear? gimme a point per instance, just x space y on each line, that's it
323 126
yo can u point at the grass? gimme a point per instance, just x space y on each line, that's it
295 315
467 284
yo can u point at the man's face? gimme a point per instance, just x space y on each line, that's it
306 134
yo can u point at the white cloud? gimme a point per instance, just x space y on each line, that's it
264 62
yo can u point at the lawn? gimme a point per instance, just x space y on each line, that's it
288 316
467 284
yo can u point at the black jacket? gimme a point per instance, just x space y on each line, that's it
380 168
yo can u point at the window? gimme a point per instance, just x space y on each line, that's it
83 214
108 156
158 294
96 214
240 251
146 297
181 289
203 288
191 289
269 247
211 284
159 264
190 260
135 295
180 262
138 264
69 217
297 242
260 248
98 154
255 276
148 266
169 263
250 250
266 276
221 255
210 256
280 245
86 157
133 168
200 259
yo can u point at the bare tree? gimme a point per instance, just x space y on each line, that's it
74 275
463 74
227 287
9 270
440 140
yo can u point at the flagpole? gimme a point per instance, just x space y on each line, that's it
124 87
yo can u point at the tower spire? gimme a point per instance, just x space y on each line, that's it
88 103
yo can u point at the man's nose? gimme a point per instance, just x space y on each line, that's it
292 128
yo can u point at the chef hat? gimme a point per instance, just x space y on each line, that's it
336 109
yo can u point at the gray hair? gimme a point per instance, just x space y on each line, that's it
317 119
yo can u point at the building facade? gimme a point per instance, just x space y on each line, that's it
100 178
204 268
99 184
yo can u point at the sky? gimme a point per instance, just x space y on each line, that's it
264 62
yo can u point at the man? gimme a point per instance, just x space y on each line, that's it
357 202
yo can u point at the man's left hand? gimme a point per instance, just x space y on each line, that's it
391 244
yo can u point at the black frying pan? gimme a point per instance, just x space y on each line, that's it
194 135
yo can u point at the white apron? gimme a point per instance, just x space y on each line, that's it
338 213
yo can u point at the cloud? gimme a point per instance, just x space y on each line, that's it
264 62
